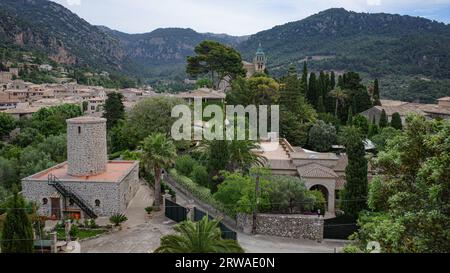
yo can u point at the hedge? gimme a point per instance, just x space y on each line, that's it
200 192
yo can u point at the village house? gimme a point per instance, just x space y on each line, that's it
431 111
320 171
87 185
205 94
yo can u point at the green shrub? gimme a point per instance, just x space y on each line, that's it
149 210
200 175
185 165
202 193
118 219
74 232
319 201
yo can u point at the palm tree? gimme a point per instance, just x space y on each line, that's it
198 237
243 155
158 153
340 96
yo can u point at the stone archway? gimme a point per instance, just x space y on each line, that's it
325 193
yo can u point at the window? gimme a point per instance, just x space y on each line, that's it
71 202
44 201
79 129
92 108
97 203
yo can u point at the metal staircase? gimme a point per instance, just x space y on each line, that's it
66 192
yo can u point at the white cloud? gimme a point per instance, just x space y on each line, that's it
374 2
74 2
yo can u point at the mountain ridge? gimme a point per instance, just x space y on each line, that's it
374 44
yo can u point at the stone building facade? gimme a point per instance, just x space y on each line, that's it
87 185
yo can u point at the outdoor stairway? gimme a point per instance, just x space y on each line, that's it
66 192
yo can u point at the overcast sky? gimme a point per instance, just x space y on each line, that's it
234 17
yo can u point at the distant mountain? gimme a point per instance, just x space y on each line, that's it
397 49
52 29
377 44
164 50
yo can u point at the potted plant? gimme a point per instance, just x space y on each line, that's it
117 220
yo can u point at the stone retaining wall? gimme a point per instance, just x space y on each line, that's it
283 225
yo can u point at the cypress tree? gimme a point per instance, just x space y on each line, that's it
291 90
313 94
304 80
350 116
356 188
376 93
332 81
396 121
114 109
320 105
17 236
383 120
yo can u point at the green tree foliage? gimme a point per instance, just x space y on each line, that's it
55 147
198 237
258 90
313 93
28 136
356 188
8 172
185 165
216 60
52 120
385 134
17 235
384 122
200 176
150 116
289 194
204 82
7 124
362 123
237 194
396 121
412 191
33 161
339 96
304 79
322 136
114 110
119 139
218 156
158 153
242 155
376 93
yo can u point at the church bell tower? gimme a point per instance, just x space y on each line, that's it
260 60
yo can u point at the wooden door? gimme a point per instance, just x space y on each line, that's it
56 208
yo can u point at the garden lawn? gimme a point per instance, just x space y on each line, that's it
83 234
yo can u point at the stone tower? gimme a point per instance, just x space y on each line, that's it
86 146
260 60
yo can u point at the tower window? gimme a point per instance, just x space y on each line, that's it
44 201
97 203
79 129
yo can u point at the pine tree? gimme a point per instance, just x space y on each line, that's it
376 93
383 120
17 236
356 188
304 80
396 121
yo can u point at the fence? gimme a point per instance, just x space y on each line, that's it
179 214
227 233
340 228
175 212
